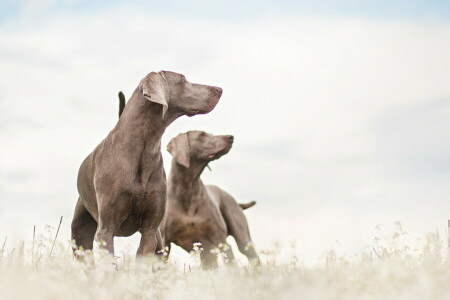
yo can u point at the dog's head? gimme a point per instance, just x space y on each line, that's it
178 95
199 146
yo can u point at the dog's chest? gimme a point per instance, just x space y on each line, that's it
187 230
140 209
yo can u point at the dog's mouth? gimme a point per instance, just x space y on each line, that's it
213 156
193 112
218 154
206 109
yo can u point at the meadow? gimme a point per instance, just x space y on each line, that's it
44 268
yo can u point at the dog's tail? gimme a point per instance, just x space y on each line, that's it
121 103
247 205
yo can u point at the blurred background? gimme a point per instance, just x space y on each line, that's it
340 109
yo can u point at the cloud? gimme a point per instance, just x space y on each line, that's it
321 111
415 137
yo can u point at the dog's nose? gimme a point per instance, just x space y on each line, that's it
230 137
218 90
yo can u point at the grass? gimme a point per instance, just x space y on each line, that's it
388 269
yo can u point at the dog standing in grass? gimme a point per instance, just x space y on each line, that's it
198 213
122 183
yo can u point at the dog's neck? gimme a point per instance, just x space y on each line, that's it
185 184
141 127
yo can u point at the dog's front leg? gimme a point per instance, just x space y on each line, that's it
148 242
112 211
208 259
105 236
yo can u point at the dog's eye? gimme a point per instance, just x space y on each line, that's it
203 134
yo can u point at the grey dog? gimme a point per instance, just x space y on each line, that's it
122 183
202 213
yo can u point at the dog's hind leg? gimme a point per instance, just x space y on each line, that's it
229 253
83 227
237 226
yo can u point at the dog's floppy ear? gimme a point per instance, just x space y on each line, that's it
154 88
180 150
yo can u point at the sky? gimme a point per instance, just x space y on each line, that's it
340 110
